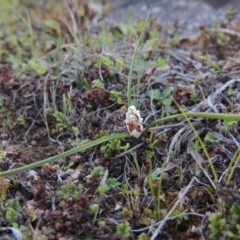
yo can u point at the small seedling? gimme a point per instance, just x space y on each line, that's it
207 60
180 218
62 121
162 61
125 189
217 225
21 120
162 97
132 197
149 153
83 83
111 183
103 189
231 91
142 236
210 139
194 98
228 125
40 69
75 131
3 154
196 146
95 208
11 215
13 211
102 133
123 229
97 171
32 215
116 97
221 226
69 191
107 61
155 186
127 213
98 83
222 38
77 141
113 146
53 24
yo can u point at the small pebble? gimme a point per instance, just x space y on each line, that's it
34 143
55 167
5 143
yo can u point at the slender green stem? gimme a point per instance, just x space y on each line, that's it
222 116
65 154
129 87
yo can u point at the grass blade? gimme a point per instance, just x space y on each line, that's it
129 86
65 154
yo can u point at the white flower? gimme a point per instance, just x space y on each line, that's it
134 122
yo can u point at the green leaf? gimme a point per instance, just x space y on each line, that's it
167 101
123 229
231 91
97 171
163 97
142 236
119 63
98 83
215 217
94 207
112 182
14 204
107 61
166 92
155 94
210 138
53 24
40 69
59 193
162 61
103 189
196 145
11 215
125 189
216 67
